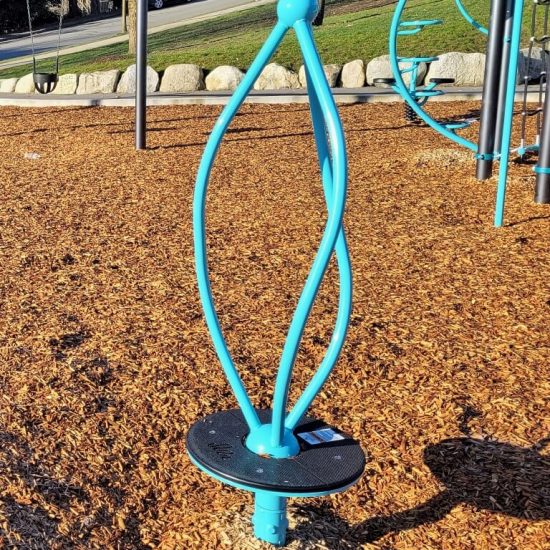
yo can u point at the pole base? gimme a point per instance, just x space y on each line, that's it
269 519
484 170
542 189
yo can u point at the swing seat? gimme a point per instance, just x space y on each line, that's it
328 462
45 83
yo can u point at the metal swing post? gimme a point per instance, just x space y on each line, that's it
490 104
542 187
141 76
508 116
505 62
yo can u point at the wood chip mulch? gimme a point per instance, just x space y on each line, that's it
105 360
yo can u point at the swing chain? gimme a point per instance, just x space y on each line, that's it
60 26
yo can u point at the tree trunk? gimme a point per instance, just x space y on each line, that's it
132 26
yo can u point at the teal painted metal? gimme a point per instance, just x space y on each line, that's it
344 268
414 27
199 203
541 170
270 522
515 41
521 151
277 439
466 14
405 92
321 94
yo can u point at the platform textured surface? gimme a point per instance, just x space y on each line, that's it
216 442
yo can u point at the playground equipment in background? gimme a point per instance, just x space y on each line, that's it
497 110
272 453
44 82
416 97
410 65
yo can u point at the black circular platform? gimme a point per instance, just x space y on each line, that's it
329 460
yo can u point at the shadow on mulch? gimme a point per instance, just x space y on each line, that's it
34 526
529 220
31 524
105 125
483 474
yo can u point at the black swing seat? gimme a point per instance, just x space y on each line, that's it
442 80
390 81
328 461
45 83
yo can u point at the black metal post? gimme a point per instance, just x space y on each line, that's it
318 21
508 22
491 90
141 75
542 188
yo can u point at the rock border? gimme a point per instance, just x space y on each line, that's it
466 68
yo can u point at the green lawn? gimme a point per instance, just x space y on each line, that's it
234 39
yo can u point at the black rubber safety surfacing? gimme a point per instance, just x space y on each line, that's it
217 443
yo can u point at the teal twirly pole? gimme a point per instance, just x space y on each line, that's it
199 205
275 440
333 226
344 269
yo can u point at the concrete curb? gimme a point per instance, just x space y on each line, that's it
342 96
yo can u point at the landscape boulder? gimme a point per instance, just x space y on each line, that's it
380 67
532 68
222 78
276 77
7 85
99 82
68 83
467 69
332 72
127 83
353 74
183 77
25 85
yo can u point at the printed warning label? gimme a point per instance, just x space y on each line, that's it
324 435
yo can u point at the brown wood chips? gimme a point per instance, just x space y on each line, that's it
105 360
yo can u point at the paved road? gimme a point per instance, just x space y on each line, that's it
98 30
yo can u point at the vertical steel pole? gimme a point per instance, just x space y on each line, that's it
491 91
141 75
542 188
509 18
510 84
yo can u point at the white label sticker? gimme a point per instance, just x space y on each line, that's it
325 435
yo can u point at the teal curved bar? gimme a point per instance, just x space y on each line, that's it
276 437
466 14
